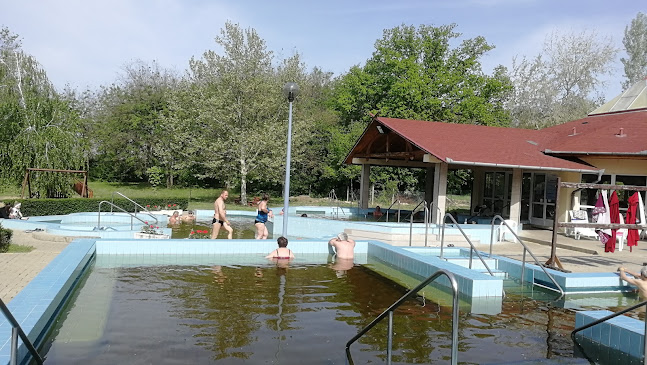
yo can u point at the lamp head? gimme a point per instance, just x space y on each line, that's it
291 90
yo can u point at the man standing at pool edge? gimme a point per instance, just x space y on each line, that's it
220 217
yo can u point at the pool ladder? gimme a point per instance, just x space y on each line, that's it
389 312
16 331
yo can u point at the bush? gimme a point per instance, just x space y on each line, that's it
5 238
40 207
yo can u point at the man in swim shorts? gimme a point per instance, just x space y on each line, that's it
220 217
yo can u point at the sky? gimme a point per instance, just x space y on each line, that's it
85 44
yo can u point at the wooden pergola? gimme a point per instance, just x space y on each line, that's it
553 261
27 180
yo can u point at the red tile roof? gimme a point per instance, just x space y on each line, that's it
467 144
612 133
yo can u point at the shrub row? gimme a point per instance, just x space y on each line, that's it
40 207
5 238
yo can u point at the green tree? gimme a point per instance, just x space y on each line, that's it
415 73
39 126
126 125
240 108
561 83
635 42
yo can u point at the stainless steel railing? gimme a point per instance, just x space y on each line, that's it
132 216
472 248
610 316
16 331
389 312
525 249
387 211
112 201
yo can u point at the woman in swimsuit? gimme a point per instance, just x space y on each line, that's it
281 253
261 218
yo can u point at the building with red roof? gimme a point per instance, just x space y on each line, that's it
515 170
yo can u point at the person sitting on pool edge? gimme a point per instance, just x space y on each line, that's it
281 253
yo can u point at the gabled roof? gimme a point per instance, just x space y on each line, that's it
465 144
619 134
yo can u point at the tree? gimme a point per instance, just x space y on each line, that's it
126 123
414 73
635 42
561 83
39 126
241 108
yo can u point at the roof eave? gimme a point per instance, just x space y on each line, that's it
526 167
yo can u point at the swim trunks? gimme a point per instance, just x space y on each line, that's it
215 220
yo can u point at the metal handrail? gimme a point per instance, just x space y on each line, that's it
525 248
123 210
387 211
112 199
389 311
616 314
472 249
413 212
16 331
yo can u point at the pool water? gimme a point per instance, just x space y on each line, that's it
243 228
301 314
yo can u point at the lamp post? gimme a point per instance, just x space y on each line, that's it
290 90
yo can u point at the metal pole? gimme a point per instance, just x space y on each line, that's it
645 344
389 339
14 346
411 229
286 192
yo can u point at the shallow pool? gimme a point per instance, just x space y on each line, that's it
303 314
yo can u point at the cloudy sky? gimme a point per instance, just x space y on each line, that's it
85 43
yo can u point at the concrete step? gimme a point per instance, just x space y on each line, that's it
398 239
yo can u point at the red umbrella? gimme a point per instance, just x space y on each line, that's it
614 210
633 236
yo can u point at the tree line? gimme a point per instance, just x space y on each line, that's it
223 121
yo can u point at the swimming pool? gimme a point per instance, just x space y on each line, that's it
234 314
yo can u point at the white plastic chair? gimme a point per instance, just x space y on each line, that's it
621 235
503 230
580 216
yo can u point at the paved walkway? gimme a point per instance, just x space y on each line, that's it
585 255
18 269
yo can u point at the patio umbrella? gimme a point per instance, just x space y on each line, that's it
614 216
632 236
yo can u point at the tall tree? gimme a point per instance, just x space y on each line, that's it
126 124
415 73
561 83
635 42
39 126
240 107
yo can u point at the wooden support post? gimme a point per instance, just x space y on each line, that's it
554 260
24 183
84 192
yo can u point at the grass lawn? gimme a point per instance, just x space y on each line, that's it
19 248
201 198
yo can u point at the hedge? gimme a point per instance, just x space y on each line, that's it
41 207
5 238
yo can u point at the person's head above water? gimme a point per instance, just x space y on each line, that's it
643 272
342 236
282 241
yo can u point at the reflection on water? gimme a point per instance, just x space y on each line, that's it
302 314
243 228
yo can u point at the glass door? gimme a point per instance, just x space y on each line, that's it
544 193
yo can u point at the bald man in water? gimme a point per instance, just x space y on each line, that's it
640 281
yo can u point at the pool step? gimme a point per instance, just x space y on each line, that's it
476 263
402 239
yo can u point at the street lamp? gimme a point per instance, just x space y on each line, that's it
290 90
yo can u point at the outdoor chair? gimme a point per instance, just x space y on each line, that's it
621 234
505 231
580 216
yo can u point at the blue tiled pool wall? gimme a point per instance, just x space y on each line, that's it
570 282
116 225
471 283
37 305
620 333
